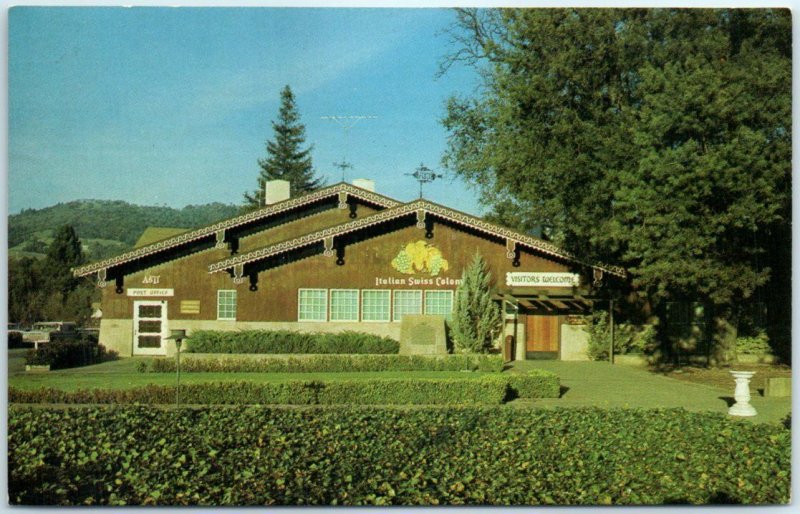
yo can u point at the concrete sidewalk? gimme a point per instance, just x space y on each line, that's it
601 384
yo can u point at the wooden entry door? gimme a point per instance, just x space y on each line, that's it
542 334
149 327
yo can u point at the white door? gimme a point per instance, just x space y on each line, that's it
149 327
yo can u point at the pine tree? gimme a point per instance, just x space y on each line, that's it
286 159
476 318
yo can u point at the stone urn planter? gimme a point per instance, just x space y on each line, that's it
742 406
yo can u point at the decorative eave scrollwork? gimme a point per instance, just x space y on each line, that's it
511 248
101 277
220 235
238 274
329 250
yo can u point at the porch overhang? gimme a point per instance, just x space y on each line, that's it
549 302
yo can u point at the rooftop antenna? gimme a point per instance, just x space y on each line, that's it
423 175
346 122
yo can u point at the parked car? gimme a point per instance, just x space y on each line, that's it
46 331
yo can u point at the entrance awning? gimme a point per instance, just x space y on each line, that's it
547 302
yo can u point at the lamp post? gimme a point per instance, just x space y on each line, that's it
178 336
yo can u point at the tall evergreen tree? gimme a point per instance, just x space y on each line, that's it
658 139
63 254
476 318
286 160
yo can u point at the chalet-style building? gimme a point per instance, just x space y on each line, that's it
340 258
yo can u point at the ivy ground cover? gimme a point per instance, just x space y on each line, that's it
422 456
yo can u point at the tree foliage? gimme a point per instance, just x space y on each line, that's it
286 158
45 289
476 318
656 139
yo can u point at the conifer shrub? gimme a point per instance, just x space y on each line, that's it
331 363
288 341
138 455
476 318
757 344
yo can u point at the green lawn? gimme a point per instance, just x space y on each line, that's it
600 384
584 384
122 374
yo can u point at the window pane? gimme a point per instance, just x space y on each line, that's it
226 304
149 311
344 304
150 327
407 302
149 341
313 305
375 305
439 303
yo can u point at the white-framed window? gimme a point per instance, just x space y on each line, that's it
344 304
406 302
376 305
226 304
312 305
439 302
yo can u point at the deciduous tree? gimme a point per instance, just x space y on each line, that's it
656 139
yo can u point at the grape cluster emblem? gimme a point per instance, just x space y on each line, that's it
420 257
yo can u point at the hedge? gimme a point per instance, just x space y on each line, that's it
484 389
424 456
287 341
67 354
491 389
333 363
536 383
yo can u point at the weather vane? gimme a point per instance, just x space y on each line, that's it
423 175
346 122
344 165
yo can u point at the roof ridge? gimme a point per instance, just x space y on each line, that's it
263 212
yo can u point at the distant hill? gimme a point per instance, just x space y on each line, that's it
105 227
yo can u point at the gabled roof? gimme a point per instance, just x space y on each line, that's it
418 206
264 212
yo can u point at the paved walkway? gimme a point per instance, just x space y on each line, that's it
604 385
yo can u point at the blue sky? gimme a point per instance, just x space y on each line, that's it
173 105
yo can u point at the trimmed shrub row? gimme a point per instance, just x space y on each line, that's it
288 341
484 389
334 363
492 389
67 354
536 383
425 456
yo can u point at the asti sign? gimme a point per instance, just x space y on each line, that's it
542 279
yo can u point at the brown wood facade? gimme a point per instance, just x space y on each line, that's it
359 259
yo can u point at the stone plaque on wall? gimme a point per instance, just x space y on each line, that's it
422 335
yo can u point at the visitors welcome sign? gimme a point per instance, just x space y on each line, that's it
542 279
